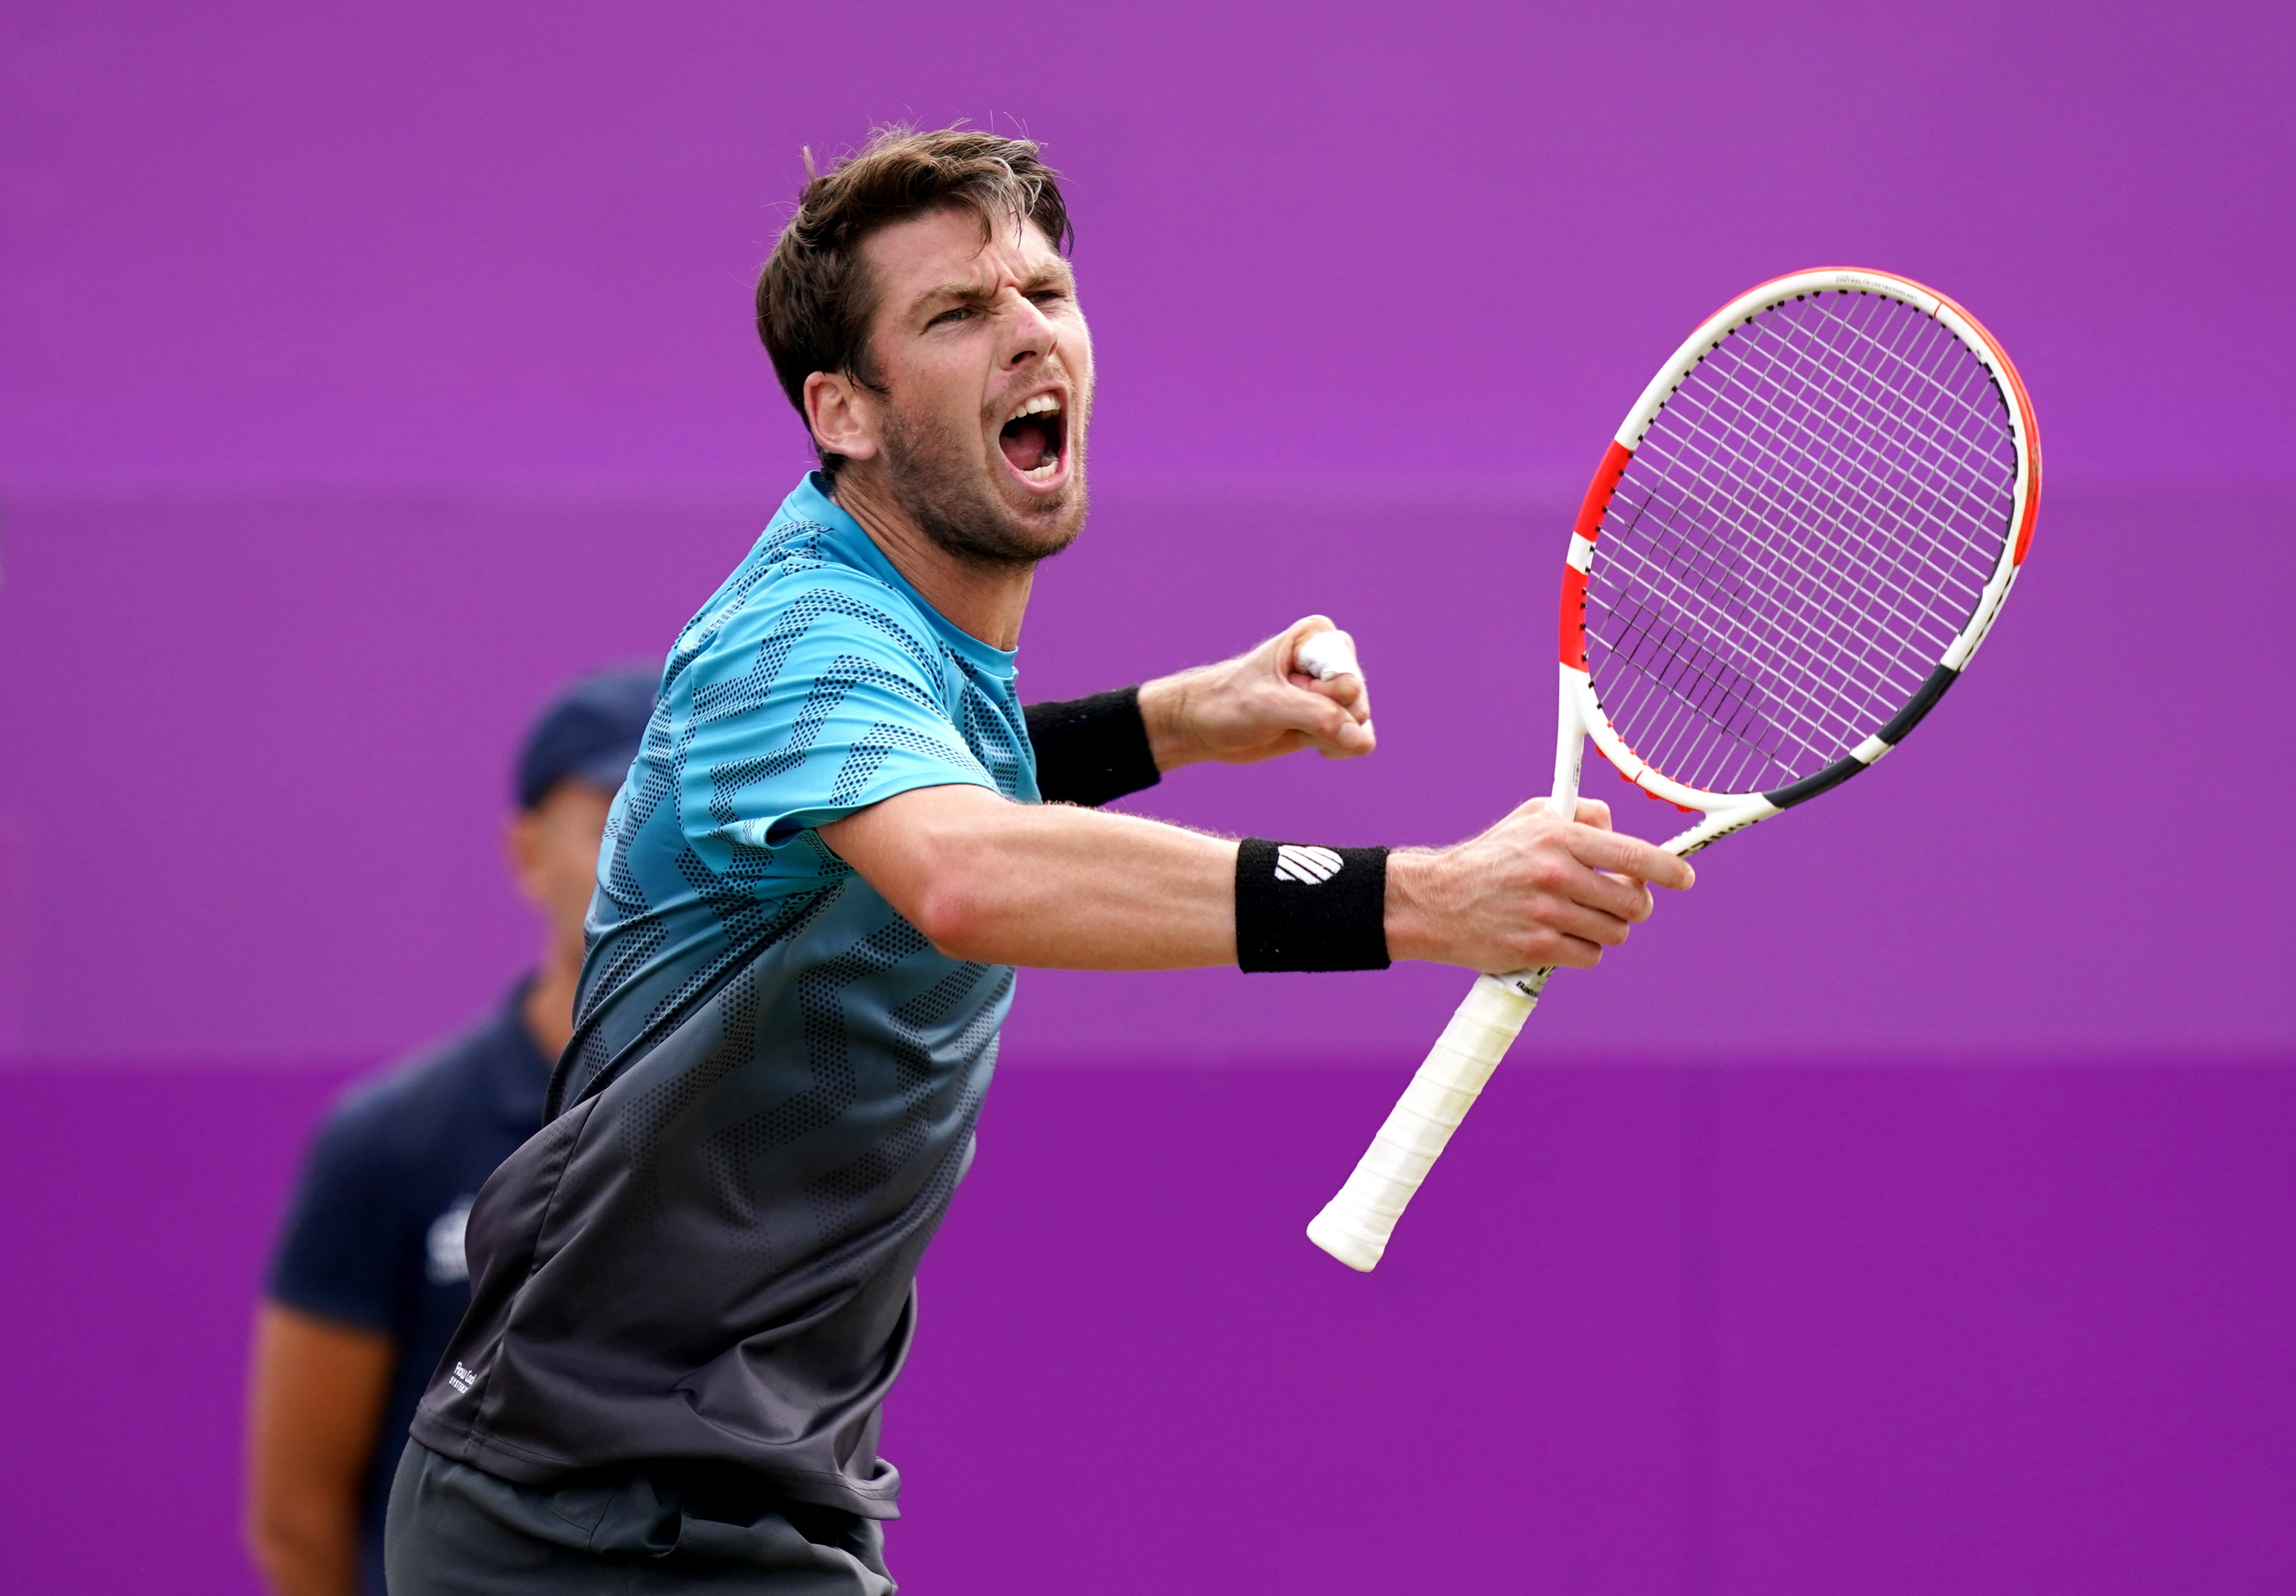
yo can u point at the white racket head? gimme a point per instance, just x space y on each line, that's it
1791 549
1797 540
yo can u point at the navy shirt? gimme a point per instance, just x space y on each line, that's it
374 1239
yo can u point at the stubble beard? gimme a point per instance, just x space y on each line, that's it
935 477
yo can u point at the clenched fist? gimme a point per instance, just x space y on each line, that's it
1257 706
1531 891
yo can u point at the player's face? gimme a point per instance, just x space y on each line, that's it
986 364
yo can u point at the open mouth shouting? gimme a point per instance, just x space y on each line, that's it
1035 440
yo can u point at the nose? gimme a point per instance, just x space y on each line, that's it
1032 335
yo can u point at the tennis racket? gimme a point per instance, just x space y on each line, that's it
1791 549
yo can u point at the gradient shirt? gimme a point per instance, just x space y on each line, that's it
703 1269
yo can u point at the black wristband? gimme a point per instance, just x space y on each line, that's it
1090 750
1299 907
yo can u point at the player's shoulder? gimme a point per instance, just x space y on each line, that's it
805 589
840 596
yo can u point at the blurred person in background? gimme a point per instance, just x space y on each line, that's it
370 1278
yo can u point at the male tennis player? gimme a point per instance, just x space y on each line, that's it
693 1289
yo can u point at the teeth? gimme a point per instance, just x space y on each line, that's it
1042 403
1043 473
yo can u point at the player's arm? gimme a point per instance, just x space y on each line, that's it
1061 888
1254 707
314 1409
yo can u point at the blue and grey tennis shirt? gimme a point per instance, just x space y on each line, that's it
703 1269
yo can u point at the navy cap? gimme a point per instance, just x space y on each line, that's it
588 733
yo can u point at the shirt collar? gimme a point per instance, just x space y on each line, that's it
811 502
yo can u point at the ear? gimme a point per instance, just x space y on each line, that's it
843 414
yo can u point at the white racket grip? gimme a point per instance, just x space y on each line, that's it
1325 655
1354 1225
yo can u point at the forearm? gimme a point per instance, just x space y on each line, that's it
1045 885
307 1545
1060 887
315 1408
1164 705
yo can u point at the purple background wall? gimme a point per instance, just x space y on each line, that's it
1888 1217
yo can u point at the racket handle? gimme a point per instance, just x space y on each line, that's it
1325 655
1354 1225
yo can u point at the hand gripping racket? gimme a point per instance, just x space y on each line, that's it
1790 552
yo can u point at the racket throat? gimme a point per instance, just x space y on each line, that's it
1715 824
1570 742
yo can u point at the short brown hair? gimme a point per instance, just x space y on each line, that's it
815 300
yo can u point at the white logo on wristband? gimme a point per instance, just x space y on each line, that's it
1308 866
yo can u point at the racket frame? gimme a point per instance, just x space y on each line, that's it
1354 1226
1729 812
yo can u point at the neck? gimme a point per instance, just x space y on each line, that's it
986 602
548 1010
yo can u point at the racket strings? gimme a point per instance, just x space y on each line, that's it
1864 552
1813 734
1755 411
1684 660
1882 531
1752 410
1803 530
1972 472
1862 558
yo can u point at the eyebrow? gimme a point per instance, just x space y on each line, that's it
1055 274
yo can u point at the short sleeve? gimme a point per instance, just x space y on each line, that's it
340 1255
825 704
